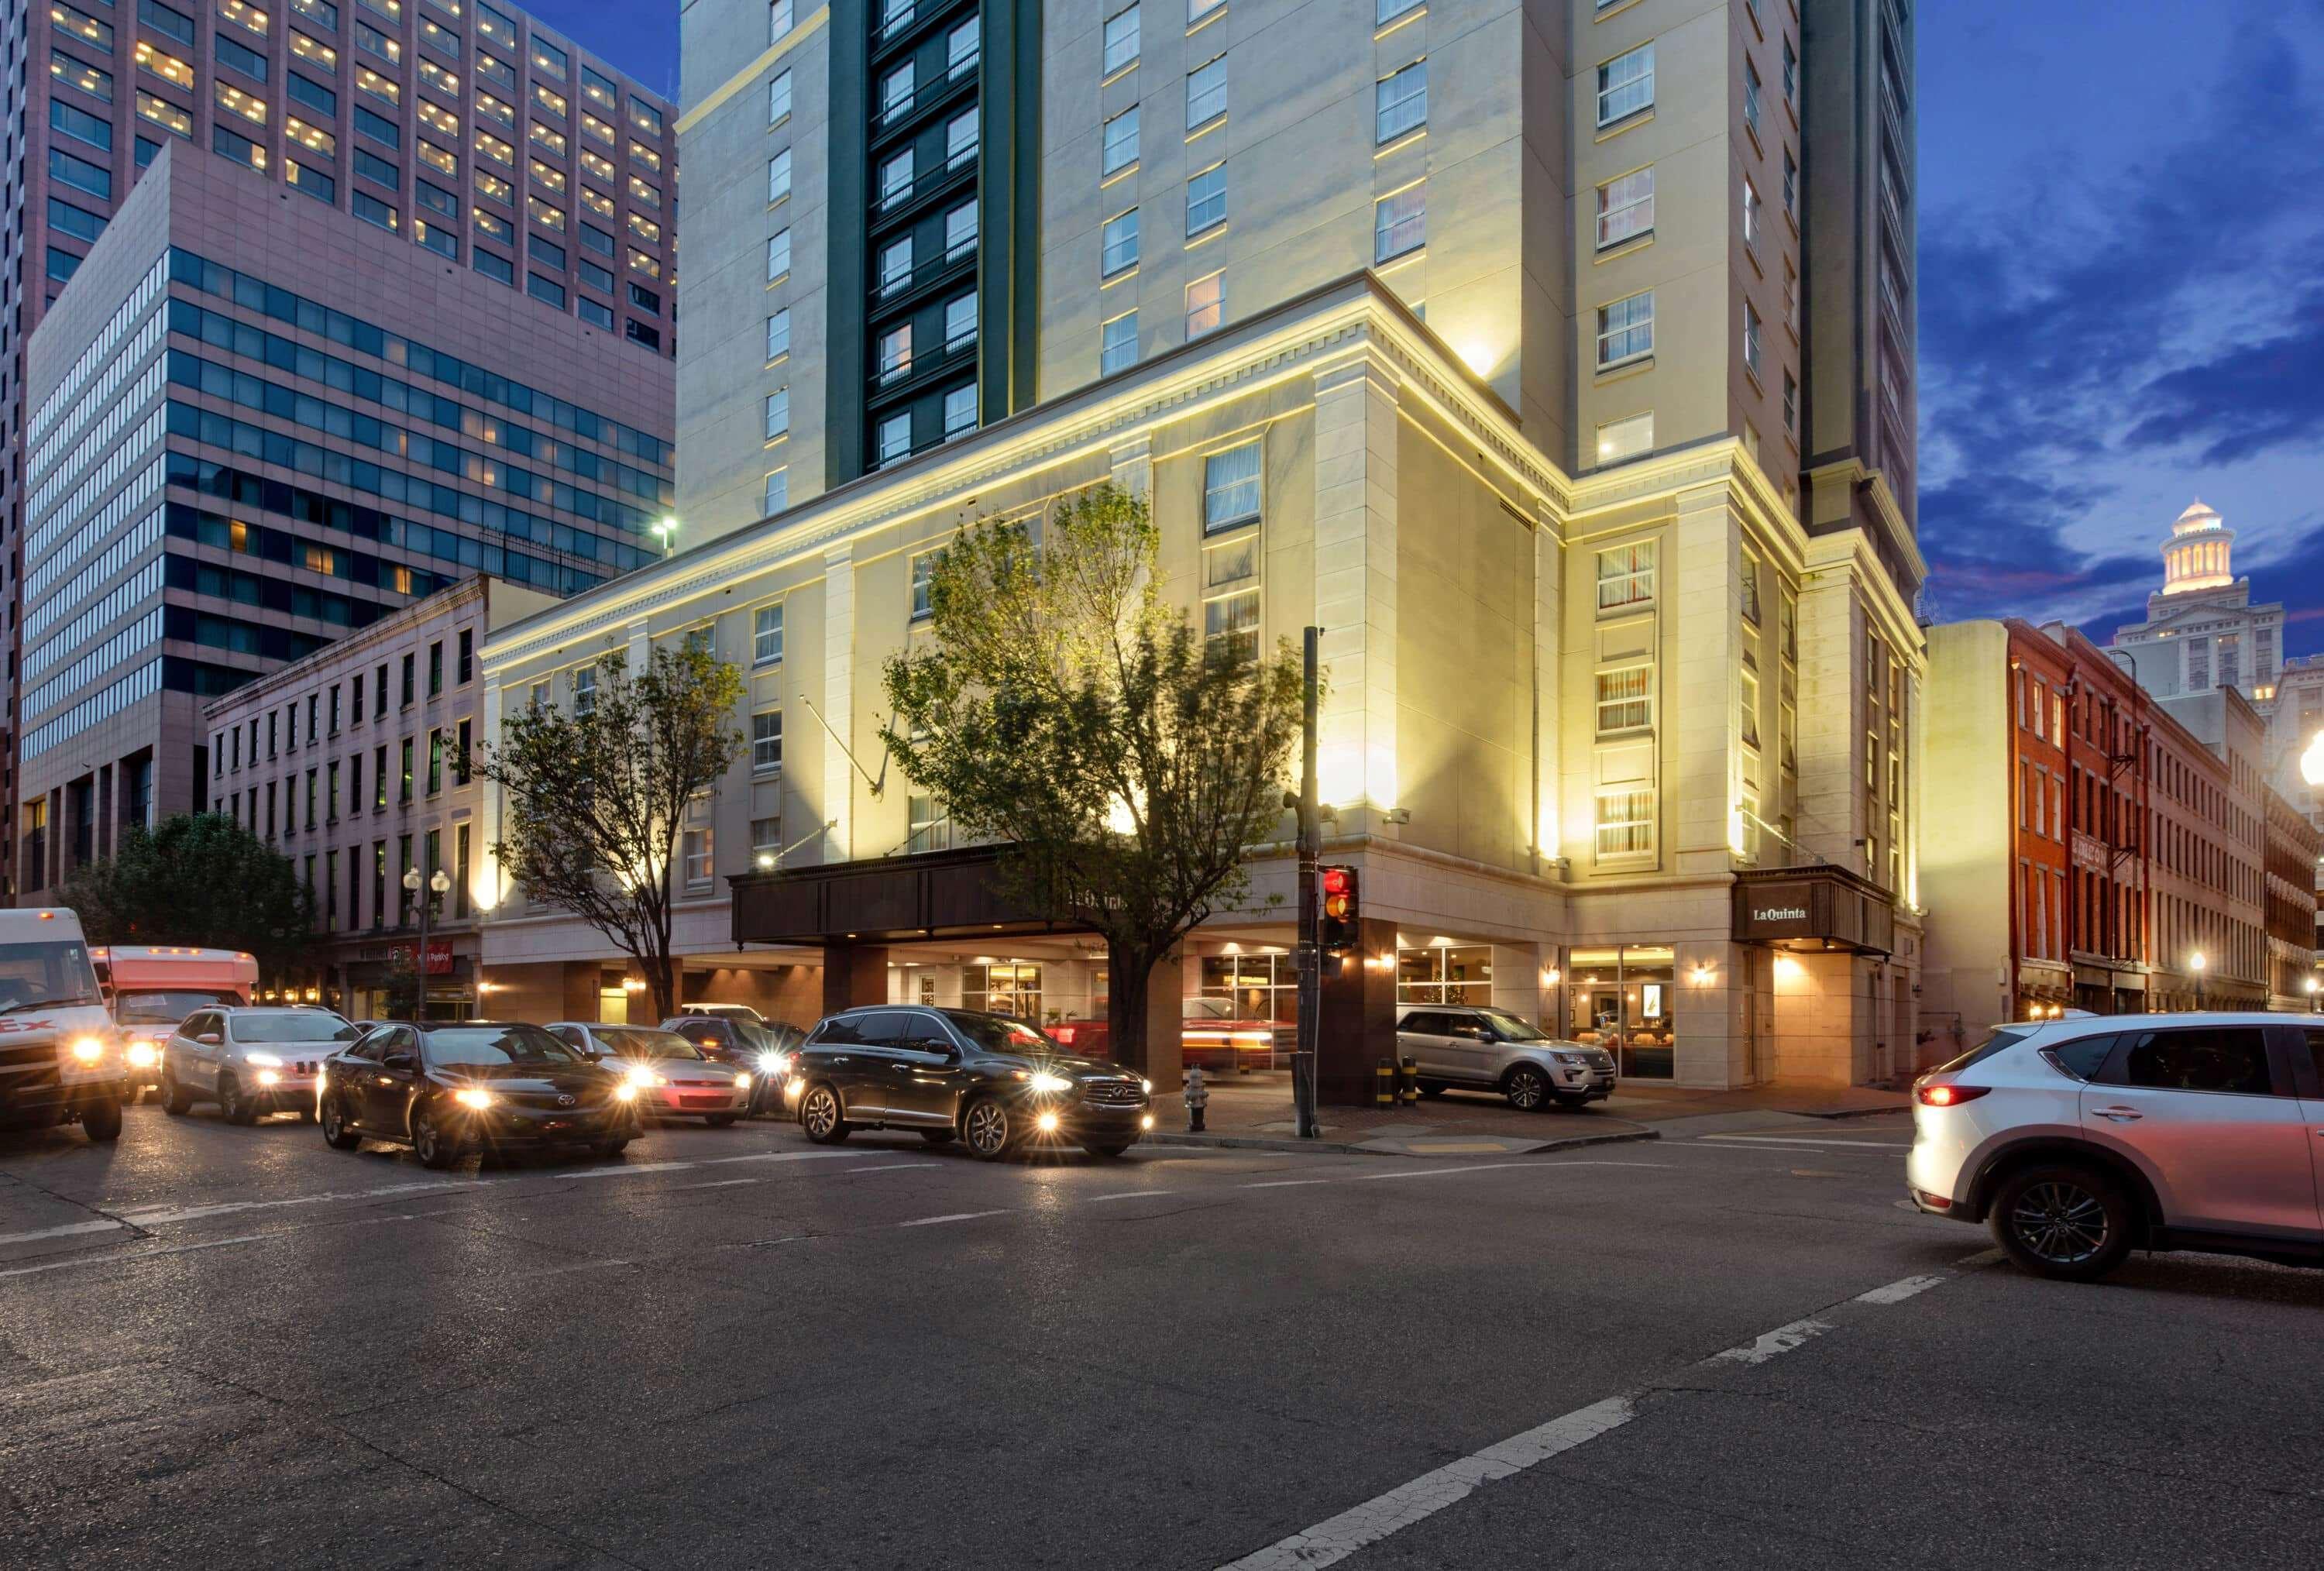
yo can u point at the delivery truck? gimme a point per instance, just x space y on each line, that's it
60 1058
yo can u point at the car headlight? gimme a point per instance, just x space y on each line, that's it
642 1076
89 1050
1045 1081
473 1096
263 1060
143 1055
1571 1058
269 1077
774 1063
1146 1087
741 1082
625 1092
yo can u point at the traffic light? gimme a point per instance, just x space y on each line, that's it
1336 932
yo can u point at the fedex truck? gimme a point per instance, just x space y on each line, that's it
60 1054
150 987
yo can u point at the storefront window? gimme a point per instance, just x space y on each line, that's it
1621 998
1007 989
1446 973
1258 987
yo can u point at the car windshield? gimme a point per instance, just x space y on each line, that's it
1510 1029
302 1025
490 1047
55 974
165 1005
632 1042
998 1034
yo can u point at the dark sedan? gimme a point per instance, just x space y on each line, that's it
448 1087
999 1084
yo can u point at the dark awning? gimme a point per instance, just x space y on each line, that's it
932 895
1813 908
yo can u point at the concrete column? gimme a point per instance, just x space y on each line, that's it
1831 714
1546 833
484 885
1702 786
1358 1028
853 975
1356 524
838 706
1518 986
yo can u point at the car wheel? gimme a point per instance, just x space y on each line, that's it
1527 1088
819 1115
2066 1222
940 1136
101 1121
336 1132
992 1132
234 1104
434 1148
1105 1148
176 1100
722 1120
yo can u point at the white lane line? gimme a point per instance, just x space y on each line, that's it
1438 1172
763 1156
58 1265
72 1230
152 1215
713 1184
624 1170
890 1167
1282 1184
1771 1344
1133 1194
1746 1141
953 1217
1898 1291
1341 1536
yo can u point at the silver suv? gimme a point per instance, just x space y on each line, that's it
1460 1047
250 1060
2081 1139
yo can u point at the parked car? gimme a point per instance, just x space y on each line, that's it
741 1012
996 1084
2077 1140
1464 1047
252 1060
675 1079
758 1050
1212 1033
448 1087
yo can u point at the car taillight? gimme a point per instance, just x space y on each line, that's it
1945 1094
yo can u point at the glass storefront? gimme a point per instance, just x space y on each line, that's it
1008 989
1259 986
1446 973
1620 997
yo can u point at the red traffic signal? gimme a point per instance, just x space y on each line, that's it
1337 928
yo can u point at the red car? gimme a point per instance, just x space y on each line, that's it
1211 1033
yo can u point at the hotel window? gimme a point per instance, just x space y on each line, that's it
598 165
1626 438
1791 73
640 191
83 28
385 89
779 176
88 79
1751 96
896 353
896 266
928 828
1625 699
1206 200
1750 339
1230 488
1207 304
779 255
778 413
440 118
445 82
1198 9
1626 208
543 214
1791 298
554 179
699 856
554 104
306 48
164 114
1747 588
1121 141
1119 243
493 148
1387 11
243 150
1791 404
775 494
1626 574
767 742
959 323
1400 102
1118 344
438 159
1791 184
960 411
960 139
645 117
493 109
1121 39
494 69
895 439
1626 85
1400 222
780 20
598 129
1747 716
778 333
1626 330
1207 92
767 635
168 66
896 89
1625 823
551 142
896 179
779 98
1231 604
1750 215
923 586
585 690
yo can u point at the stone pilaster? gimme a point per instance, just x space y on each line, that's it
1356 589
1700 784
838 704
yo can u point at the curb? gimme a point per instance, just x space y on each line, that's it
1350 1148
1843 1112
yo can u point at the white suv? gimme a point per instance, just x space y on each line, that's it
2081 1139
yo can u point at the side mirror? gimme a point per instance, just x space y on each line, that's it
940 1048
401 1060
209 1039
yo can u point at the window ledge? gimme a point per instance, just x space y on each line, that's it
1622 369
1629 122
1621 248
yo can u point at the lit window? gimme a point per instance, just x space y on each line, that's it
493 186
1626 574
1230 487
1626 208
306 48
555 102
1626 85
554 179
767 635
1400 223
1207 304
552 141
381 88
1626 438
645 191
1400 102
493 148
1625 823
543 214
591 126
1625 329
896 353
1625 699
168 66
597 164
923 585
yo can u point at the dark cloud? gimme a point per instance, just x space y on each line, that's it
2247 400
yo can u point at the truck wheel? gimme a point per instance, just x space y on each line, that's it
101 1120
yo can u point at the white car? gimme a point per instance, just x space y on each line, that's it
673 1076
250 1060
2080 1139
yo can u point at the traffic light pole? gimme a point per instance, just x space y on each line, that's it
1310 961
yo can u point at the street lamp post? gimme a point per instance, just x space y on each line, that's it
439 882
2198 962
666 531
2314 987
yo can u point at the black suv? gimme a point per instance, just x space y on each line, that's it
451 1086
995 1082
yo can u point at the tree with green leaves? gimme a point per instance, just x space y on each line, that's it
594 795
1128 766
200 879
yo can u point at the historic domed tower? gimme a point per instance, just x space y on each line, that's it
2195 557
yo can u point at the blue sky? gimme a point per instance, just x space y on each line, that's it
2122 291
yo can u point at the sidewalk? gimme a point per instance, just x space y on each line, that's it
1255 1111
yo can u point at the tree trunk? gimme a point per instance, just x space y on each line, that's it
662 983
1125 1005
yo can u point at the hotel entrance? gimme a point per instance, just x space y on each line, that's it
1619 996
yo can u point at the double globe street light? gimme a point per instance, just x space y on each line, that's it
439 882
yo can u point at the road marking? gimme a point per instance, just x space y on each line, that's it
953 1217
890 1168
629 1168
1132 1195
1745 1142
1282 1184
713 1184
1898 1291
71 1230
1438 1172
58 1265
1771 1344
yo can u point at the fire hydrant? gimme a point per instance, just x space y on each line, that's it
1197 1097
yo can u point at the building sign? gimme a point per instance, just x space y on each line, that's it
1826 906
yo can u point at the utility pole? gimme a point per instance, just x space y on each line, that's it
1310 956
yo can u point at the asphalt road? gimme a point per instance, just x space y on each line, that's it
234 1346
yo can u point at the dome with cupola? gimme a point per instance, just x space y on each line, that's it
2196 555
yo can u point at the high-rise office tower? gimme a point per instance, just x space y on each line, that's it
399 308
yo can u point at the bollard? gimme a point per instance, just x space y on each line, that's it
1197 1098
1384 1085
1408 1083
